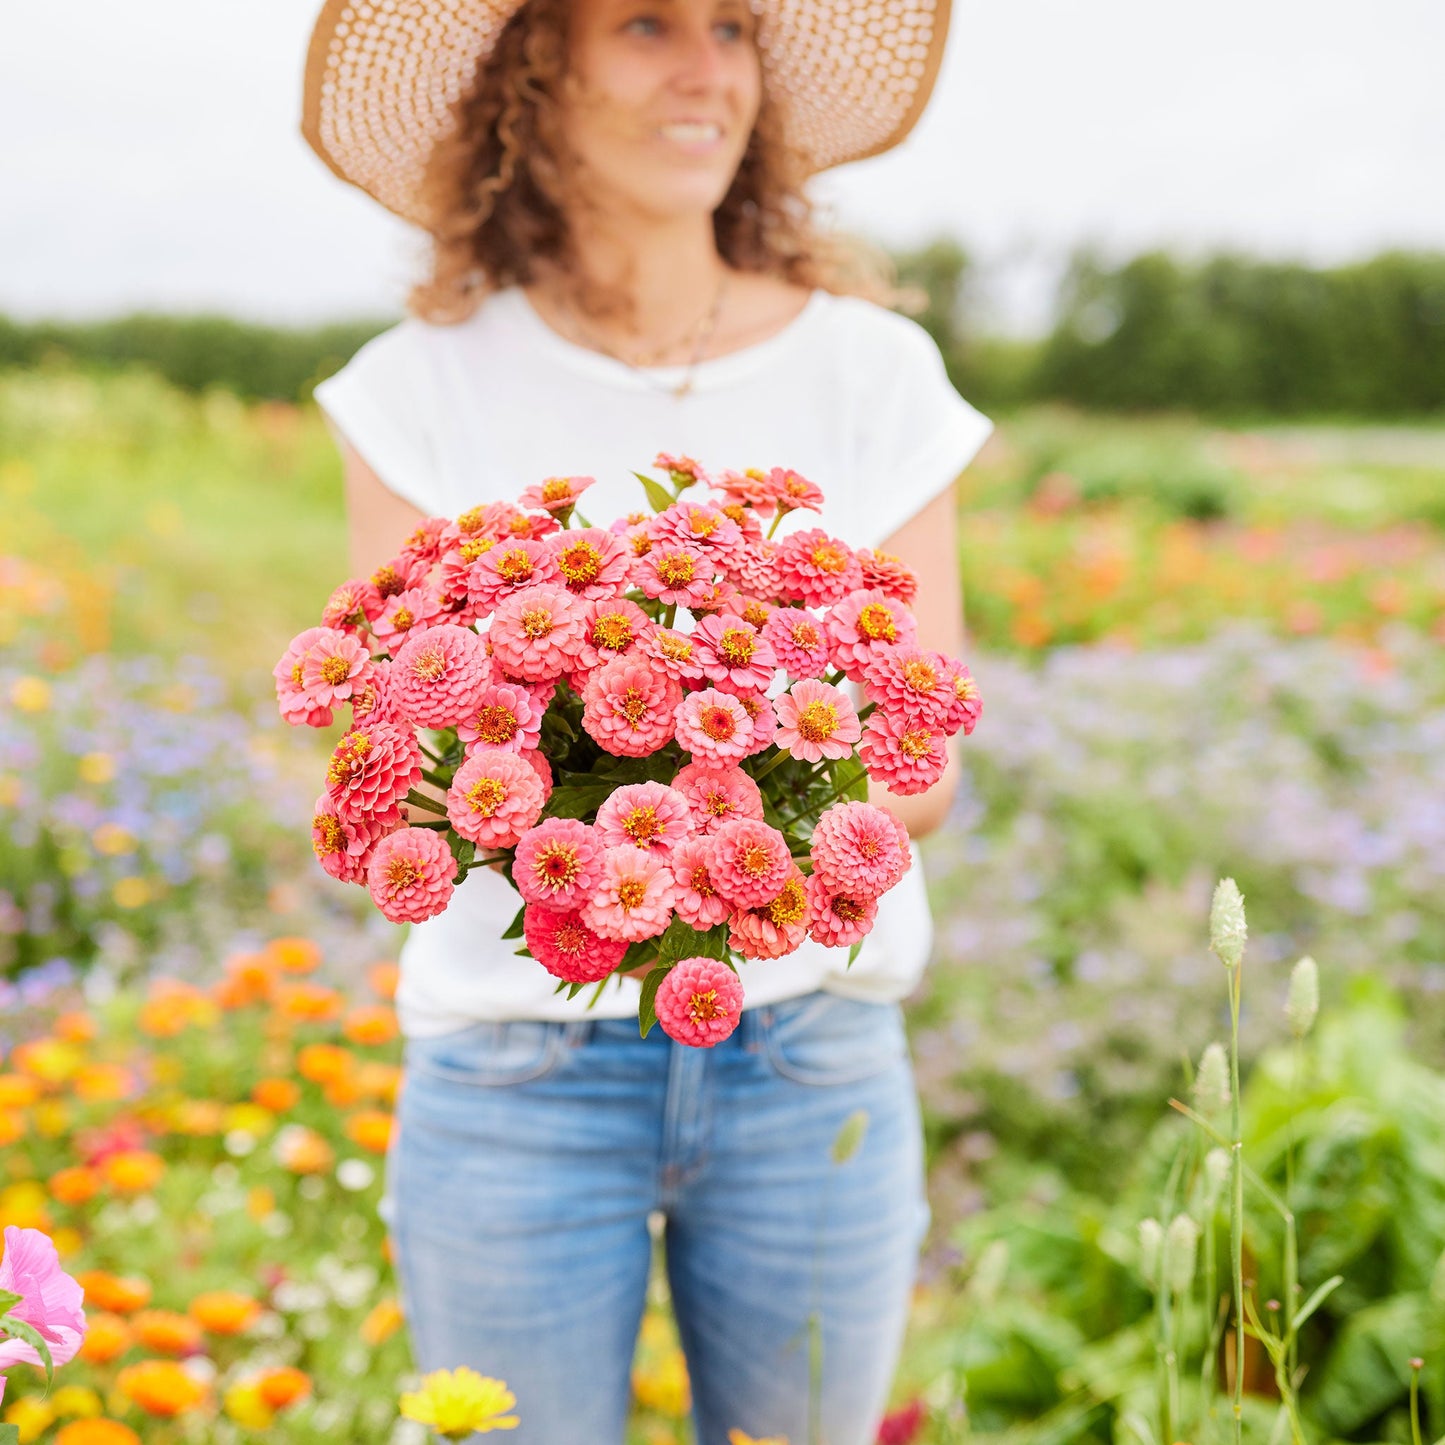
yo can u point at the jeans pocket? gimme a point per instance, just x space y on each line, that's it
825 1038
488 1053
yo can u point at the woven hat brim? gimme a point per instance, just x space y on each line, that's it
852 77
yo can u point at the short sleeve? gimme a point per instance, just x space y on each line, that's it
916 432
373 402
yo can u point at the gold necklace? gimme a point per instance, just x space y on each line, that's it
705 326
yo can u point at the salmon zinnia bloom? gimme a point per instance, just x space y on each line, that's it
160 1387
283 1386
224 1311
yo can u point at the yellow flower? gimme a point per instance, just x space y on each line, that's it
96 768
456 1402
246 1407
76 1400
131 892
737 1437
31 1417
30 694
661 1384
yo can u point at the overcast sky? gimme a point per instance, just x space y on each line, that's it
151 156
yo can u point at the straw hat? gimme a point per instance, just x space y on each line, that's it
852 77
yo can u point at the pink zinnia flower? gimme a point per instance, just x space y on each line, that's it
859 850
697 901
679 467
646 815
634 898
504 717
375 700
816 721
628 708
911 682
438 676
50 1300
591 563
556 494
403 571
713 724
864 624
717 793
536 633
837 920
411 875
748 489
699 526
343 845
411 611
335 668
564 945
757 572
508 522
776 927
424 546
508 568
731 650
799 641
675 653
543 769
720 596
966 705
558 864
754 611
748 862
906 755
612 627
494 798
458 564
675 575
889 575
540 693
764 719
699 1002
794 490
816 569
352 606
373 767
298 707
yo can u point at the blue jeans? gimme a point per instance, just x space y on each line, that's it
529 1155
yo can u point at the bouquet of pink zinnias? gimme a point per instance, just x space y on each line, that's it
523 697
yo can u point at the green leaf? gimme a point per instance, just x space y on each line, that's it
850 780
9 1435
19 1330
514 928
647 1005
658 497
8 1301
463 849
850 1137
854 952
1317 1299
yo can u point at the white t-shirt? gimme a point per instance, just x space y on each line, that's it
850 394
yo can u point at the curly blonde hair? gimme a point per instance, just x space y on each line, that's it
496 186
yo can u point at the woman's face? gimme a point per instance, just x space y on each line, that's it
661 99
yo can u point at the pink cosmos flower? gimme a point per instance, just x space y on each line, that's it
757 571
634 898
343 845
591 563
558 864
835 919
645 815
680 466
373 767
799 641
906 755
612 627
411 875
816 569
793 490
699 1002
424 546
675 575
673 652
717 793
859 850
564 945
731 650
628 708
556 494
776 927
865 623
536 633
889 575
335 668
413 610
504 717
352 606
508 568
816 721
748 862
697 901
50 1300
911 682
439 675
298 707
748 489
494 798
699 526
967 705
713 724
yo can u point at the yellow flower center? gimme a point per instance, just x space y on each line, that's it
612 630
556 489
520 526
676 569
570 938
875 622
790 905
828 557
737 646
675 648
848 909
471 520
718 723
537 622
915 744
388 581
401 873
920 675
327 835
485 796
335 671
642 826
556 864
402 619
633 706
296 673
701 525
580 563
804 634
754 860
495 724
817 721
631 892
349 758
755 613
965 689
718 804
700 883
641 544
475 547
429 664
515 566
703 1007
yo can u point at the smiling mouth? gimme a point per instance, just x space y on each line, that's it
691 133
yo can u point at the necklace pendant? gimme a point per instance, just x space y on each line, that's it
683 387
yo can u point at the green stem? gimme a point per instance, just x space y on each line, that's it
435 778
669 614
777 762
426 804
1236 1205
778 517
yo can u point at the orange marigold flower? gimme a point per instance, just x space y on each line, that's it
103 1083
224 1311
122 1294
133 1171
382 979
384 1320
294 955
96 1432
18 1091
307 1001
260 1201
74 1185
200 1118
160 1387
12 1126
48 1059
303 1150
321 1063
371 1128
172 1006
371 1024
375 1080
276 1094
342 1093
107 1336
75 1027
249 978
167 1331
283 1386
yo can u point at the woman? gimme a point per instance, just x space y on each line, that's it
622 262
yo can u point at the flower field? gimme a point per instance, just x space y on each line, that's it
1203 652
